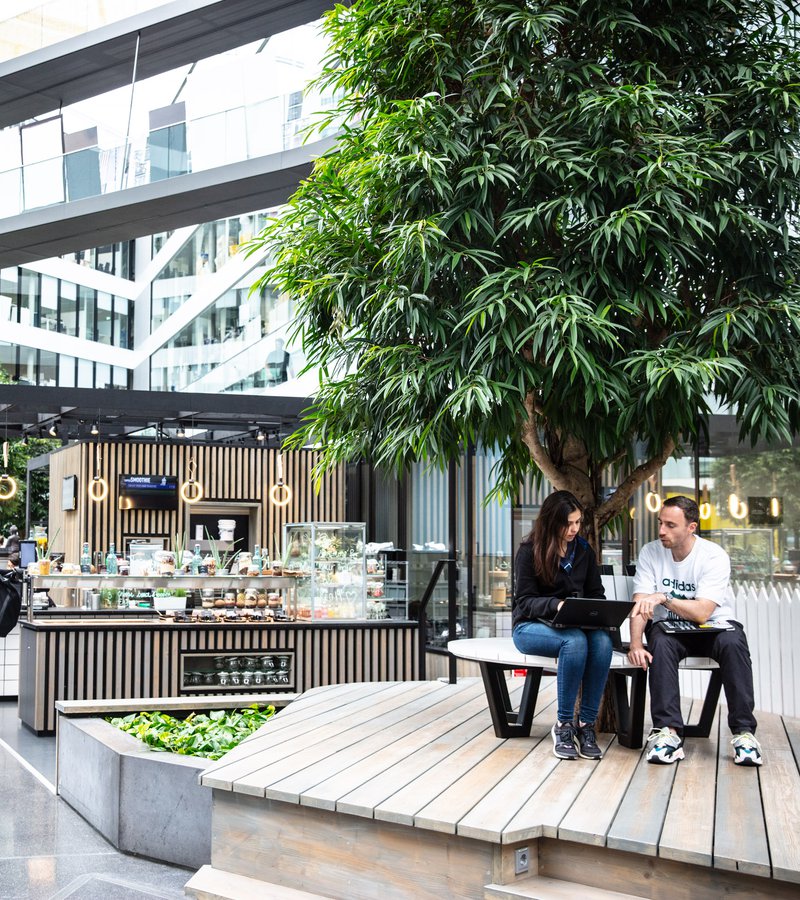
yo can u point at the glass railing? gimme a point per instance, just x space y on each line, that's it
44 24
198 144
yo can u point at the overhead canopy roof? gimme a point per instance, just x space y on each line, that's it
26 409
171 35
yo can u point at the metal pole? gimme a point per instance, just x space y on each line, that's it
130 113
452 596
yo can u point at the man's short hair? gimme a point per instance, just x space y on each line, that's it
689 507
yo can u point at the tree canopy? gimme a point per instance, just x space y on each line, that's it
561 229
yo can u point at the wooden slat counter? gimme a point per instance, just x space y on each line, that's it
88 659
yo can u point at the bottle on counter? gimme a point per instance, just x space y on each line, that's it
86 559
112 566
256 563
197 560
265 566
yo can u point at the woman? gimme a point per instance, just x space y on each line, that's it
553 563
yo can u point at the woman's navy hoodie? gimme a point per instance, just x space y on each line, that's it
535 598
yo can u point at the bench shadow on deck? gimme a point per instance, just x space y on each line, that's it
406 786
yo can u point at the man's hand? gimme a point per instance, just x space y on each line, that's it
646 605
638 656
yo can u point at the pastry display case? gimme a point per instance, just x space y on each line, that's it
327 559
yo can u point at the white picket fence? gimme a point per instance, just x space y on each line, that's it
771 618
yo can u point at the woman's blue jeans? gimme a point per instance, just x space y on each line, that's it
583 660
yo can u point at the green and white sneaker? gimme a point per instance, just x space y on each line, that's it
746 750
666 747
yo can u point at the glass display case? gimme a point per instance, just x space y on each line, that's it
327 559
750 550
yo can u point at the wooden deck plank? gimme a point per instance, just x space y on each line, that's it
452 804
369 726
488 819
780 795
692 801
322 783
637 825
792 727
740 837
251 775
590 817
542 813
307 713
373 793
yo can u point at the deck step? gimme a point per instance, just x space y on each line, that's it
209 883
538 887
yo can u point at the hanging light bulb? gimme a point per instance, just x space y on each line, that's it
775 507
98 486
736 507
8 485
704 505
192 490
652 499
280 494
95 430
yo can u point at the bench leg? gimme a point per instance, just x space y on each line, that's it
629 712
703 727
508 723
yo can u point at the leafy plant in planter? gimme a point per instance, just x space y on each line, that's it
209 735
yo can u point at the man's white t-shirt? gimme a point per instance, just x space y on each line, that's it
705 573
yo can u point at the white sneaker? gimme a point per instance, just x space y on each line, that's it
666 747
746 750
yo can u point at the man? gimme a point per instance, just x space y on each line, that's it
683 576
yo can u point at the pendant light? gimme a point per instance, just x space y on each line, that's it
736 507
192 490
652 499
704 505
280 494
98 486
8 485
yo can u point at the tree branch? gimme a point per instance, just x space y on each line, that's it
619 499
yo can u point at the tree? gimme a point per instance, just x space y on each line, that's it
12 512
555 228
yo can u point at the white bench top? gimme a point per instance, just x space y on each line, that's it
502 650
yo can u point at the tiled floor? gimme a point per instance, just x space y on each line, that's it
47 851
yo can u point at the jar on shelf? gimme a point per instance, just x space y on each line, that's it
259 676
269 663
236 677
233 663
247 663
284 663
196 678
209 677
247 678
165 562
223 677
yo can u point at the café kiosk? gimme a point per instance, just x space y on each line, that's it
178 630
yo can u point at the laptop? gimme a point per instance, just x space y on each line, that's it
587 612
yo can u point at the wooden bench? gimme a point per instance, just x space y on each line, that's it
496 656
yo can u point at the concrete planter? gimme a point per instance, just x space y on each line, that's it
143 802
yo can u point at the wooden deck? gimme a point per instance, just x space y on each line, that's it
406 785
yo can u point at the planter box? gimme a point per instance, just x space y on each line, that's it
142 801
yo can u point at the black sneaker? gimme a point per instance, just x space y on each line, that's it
587 742
564 740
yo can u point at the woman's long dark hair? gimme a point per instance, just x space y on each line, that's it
545 537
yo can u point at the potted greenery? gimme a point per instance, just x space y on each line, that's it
222 558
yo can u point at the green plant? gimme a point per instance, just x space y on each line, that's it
222 559
209 735
566 231
179 547
43 552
